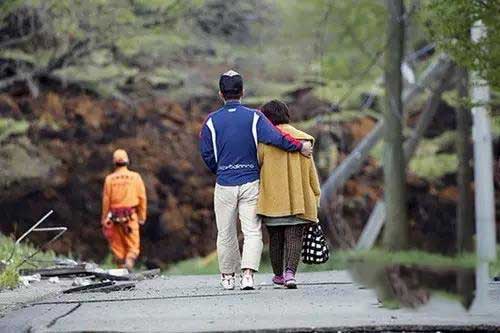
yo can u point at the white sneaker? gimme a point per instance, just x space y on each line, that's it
246 282
227 281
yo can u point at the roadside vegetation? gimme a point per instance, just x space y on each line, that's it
339 260
9 276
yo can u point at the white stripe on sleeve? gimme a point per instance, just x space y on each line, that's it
211 127
254 129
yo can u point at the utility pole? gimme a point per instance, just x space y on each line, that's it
483 179
465 206
396 229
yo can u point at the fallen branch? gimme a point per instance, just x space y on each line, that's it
352 164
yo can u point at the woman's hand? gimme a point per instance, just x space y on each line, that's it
307 149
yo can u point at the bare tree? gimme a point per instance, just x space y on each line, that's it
396 230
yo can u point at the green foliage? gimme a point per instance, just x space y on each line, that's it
123 41
430 161
449 23
495 125
10 127
433 167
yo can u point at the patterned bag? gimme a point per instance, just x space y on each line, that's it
314 246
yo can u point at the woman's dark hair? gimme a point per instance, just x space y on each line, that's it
276 111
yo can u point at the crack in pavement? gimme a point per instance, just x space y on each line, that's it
177 296
140 299
54 321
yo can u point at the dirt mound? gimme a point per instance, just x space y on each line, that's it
81 133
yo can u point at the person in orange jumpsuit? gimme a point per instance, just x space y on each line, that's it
124 206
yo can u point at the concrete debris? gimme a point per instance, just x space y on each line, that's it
88 287
144 275
106 276
26 279
79 281
54 279
90 266
118 271
87 277
115 287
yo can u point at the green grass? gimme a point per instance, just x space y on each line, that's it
495 266
413 258
391 304
9 277
339 260
107 263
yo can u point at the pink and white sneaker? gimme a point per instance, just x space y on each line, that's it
278 280
289 278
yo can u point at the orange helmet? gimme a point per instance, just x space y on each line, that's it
120 156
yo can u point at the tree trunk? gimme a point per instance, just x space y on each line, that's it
465 174
377 218
396 229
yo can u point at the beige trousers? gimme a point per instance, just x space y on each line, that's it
231 203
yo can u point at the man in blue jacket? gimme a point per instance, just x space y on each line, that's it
228 145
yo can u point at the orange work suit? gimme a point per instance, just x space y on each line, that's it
124 189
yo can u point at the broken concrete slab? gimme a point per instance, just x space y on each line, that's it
114 287
107 286
57 271
106 276
88 287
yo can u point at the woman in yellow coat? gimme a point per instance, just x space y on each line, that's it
288 197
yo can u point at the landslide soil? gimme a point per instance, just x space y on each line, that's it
80 132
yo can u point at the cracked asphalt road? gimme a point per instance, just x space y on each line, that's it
325 301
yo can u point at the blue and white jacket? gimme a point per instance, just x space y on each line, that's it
229 139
